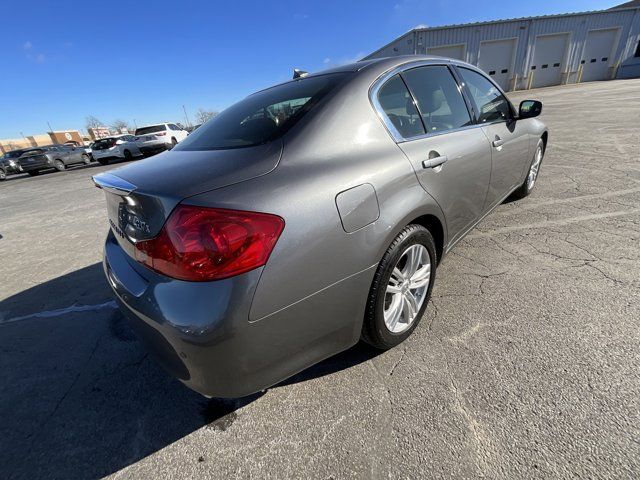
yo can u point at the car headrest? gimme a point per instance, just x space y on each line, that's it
436 99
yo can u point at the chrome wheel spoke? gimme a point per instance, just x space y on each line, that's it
394 312
393 289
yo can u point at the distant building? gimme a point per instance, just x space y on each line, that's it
98 132
532 52
64 136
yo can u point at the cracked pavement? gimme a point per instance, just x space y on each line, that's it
525 365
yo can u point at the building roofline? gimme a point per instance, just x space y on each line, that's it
502 20
521 19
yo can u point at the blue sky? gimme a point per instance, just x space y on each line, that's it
143 60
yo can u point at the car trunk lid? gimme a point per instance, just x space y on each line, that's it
142 195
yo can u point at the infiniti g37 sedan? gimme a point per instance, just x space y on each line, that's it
311 215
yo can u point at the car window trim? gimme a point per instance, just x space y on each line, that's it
512 116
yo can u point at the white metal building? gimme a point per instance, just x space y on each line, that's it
535 52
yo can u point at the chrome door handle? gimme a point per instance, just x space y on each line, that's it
497 143
434 162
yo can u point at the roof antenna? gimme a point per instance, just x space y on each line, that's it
297 73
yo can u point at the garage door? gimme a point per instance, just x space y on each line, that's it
597 54
548 59
496 58
450 51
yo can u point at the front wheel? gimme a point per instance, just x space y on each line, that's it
401 288
59 165
86 159
3 174
532 175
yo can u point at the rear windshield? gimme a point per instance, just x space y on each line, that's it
152 129
14 154
261 117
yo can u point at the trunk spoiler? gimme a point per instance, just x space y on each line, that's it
113 184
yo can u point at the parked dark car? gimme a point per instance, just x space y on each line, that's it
311 215
9 163
58 157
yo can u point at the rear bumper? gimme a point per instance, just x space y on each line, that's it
201 334
107 153
150 148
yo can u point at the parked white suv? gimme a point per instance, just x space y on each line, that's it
115 147
157 138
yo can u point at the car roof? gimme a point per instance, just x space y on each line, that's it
153 125
376 65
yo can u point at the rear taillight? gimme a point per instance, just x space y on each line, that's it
203 244
160 134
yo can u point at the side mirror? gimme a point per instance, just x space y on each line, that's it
529 109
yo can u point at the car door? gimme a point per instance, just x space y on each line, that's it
450 155
66 154
508 137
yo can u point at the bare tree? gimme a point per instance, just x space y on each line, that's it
120 125
203 115
92 122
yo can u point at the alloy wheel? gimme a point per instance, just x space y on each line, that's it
407 288
535 168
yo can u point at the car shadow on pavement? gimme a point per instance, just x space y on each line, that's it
80 397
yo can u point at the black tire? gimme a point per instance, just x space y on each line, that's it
525 189
374 329
103 161
127 155
86 159
3 174
34 173
174 142
59 165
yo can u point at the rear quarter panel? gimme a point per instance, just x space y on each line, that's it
340 146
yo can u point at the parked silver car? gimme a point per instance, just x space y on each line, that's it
310 215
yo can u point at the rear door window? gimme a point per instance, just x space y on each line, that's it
439 100
396 101
263 116
491 106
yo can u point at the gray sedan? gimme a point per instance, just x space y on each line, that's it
311 215
35 160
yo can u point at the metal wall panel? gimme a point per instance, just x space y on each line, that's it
525 31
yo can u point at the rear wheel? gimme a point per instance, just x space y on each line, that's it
127 155
59 165
401 288
174 142
532 175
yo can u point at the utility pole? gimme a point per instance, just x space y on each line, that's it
186 116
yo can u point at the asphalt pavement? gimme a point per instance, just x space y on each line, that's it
526 364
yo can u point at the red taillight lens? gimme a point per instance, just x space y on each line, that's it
203 244
160 134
